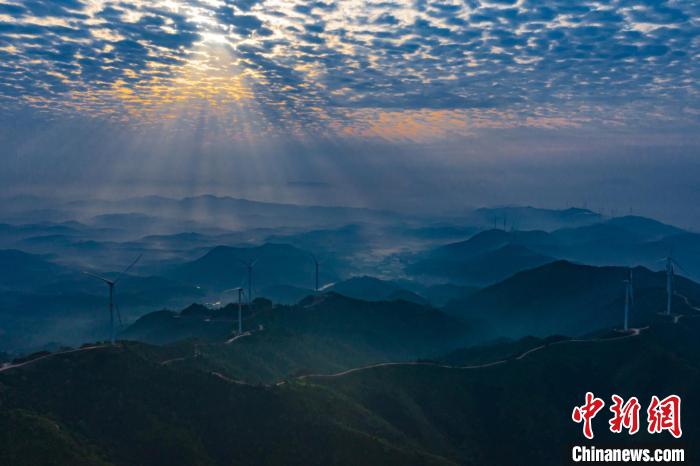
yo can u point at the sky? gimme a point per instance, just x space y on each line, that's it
411 105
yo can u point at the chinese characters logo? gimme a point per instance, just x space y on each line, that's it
662 415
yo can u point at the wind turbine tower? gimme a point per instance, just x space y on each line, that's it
631 278
629 299
669 284
111 284
240 311
316 264
249 265
240 307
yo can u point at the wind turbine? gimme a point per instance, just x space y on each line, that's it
669 284
111 284
240 291
316 264
249 265
671 265
631 279
240 308
629 299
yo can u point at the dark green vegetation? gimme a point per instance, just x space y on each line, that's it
321 334
119 406
568 299
519 412
500 350
332 332
140 412
29 439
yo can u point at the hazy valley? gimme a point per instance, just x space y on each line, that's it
419 326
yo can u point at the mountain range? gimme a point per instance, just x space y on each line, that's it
492 255
321 333
119 405
569 299
225 267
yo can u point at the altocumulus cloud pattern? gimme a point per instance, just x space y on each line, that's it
353 67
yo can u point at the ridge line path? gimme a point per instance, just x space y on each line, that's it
229 379
168 361
242 335
8 366
633 333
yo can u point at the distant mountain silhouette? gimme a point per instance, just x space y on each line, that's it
23 271
568 299
617 231
649 228
373 289
441 294
285 294
606 233
41 301
609 243
627 240
532 218
232 212
277 264
347 247
486 258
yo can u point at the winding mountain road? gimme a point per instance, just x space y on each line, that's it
8 366
237 337
633 333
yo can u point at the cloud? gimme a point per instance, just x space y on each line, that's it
309 65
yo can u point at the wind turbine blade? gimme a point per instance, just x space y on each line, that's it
249 263
99 277
126 270
679 266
